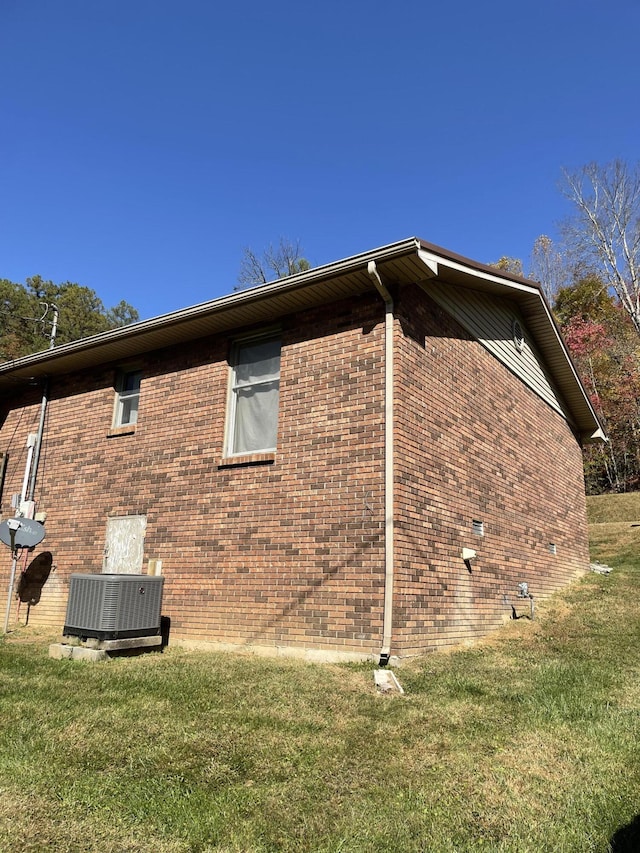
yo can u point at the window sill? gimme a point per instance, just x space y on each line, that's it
127 429
247 459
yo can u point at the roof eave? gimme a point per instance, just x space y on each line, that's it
416 260
236 305
540 321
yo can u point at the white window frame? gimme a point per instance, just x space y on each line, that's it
234 386
122 396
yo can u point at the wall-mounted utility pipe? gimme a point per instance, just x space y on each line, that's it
38 447
387 624
43 407
32 440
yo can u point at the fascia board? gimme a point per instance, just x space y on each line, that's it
434 262
598 433
531 299
310 279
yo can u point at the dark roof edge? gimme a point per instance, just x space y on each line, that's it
477 265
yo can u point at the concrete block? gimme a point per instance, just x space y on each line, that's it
60 651
92 655
130 643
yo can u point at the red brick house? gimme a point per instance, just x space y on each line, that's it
305 461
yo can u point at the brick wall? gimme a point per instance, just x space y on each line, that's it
474 443
287 549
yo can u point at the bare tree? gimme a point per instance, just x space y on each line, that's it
605 230
275 262
549 267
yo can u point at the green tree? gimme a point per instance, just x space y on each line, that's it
26 315
122 314
589 300
19 332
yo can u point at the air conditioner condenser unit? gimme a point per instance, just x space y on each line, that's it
113 606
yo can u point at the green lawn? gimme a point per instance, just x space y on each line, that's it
526 742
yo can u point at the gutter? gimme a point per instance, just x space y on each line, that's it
250 296
387 623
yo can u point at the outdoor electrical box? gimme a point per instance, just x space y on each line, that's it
113 606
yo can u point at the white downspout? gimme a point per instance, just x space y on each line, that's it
387 623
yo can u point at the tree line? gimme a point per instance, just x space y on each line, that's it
27 315
591 279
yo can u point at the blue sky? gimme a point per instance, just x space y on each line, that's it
145 143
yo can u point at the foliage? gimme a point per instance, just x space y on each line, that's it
26 315
549 266
275 262
588 300
605 230
606 351
528 741
593 281
508 264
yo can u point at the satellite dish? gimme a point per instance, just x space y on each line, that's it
21 532
34 578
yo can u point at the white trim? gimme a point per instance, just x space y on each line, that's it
232 398
508 284
122 395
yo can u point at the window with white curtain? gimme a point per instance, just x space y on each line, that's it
255 388
127 398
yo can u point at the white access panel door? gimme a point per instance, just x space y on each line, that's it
124 544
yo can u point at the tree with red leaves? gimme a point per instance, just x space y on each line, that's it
604 345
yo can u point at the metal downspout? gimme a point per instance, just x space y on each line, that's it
43 408
387 625
29 495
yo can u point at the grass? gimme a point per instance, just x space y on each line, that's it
614 508
525 742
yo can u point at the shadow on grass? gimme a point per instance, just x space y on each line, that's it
627 838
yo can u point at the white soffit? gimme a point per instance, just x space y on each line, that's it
492 281
455 273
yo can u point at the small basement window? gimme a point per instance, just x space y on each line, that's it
552 548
